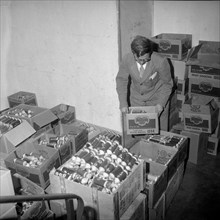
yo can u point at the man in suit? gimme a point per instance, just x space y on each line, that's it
151 81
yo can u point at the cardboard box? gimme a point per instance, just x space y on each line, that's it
175 46
64 149
182 86
206 87
107 206
65 113
77 134
213 145
200 114
10 140
204 61
39 175
22 97
38 209
158 212
180 69
38 118
142 120
156 153
197 145
136 211
6 189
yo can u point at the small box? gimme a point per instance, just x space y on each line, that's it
10 140
197 145
136 211
158 211
38 117
182 86
22 97
65 113
206 87
174 46
38 209
142 120
200 114
6 189
180 69
40 174
107 206
213 145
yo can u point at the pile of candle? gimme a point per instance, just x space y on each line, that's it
102 163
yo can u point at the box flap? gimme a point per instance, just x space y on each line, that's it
43 119
196 57
20 133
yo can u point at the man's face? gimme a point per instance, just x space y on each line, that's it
142 59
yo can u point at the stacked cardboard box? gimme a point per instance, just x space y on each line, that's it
163 157
22 97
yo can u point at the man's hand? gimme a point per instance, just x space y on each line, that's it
124 110
159 109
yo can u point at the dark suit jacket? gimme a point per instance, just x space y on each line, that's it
144 91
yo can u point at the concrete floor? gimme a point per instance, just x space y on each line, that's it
198 197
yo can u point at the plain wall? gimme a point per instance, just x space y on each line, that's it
67 51
64 52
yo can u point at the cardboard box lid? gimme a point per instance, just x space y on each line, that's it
197 56
44 118
20 133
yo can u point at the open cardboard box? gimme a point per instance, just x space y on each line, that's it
107 206
200 114
40 174
142 120
204 60
65 113
39 118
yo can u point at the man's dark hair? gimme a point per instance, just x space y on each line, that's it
141 45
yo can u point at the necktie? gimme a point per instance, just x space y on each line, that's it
141 71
